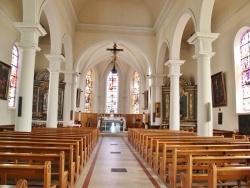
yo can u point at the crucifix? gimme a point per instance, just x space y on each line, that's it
114 50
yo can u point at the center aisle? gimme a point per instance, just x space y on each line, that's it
115 164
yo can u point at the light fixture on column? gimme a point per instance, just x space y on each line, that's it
114 50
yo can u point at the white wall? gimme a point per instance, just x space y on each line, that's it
224 61
8 36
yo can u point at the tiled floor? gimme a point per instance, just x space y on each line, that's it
115 164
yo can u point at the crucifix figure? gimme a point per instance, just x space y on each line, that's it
114 50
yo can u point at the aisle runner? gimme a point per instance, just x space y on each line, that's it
92 166
150 177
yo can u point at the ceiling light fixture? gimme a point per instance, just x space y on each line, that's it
114 50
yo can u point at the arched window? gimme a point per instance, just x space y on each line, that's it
243 73
13 77
88 91
136 92
112 93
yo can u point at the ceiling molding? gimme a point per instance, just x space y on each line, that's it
120 30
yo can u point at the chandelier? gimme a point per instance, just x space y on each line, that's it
114 50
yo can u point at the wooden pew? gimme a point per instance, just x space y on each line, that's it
57 163
70 164
64 132
178 160
156 144
168 149
195 141
83 141
50 144
137 135
201 163
27 171
94 133
228 173
21 183
55 139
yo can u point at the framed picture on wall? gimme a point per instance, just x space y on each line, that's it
157 109
4 80
219 96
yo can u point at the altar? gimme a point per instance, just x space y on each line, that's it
103 120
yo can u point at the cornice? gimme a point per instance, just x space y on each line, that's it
120 30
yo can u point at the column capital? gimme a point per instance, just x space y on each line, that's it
68 76
157 80
55 62
203 43
174 67
30 32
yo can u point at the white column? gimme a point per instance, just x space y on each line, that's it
203 54
67 98
54 69
158 96
28 47
174 74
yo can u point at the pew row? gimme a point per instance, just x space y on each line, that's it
26 171
197 168
178 160
58 166
68 151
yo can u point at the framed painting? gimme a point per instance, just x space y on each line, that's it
157 109
4 80
219 96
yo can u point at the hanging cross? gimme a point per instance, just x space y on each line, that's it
114 49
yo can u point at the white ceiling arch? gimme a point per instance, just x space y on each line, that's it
133 55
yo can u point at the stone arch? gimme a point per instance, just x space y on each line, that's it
67 44
55 38
179 29
164 45
205 16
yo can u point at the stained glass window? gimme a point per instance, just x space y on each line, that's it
88 91
112 93
245 69
136 92
13 77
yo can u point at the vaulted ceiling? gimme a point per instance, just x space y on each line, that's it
130 13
